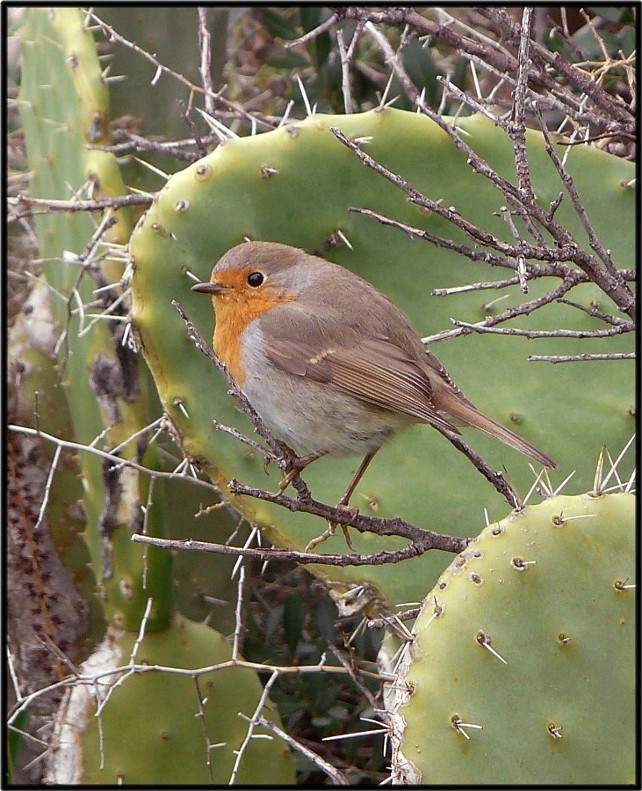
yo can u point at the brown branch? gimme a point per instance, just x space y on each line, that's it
414 549
597 314
554 257
200 142
566 246
100 204
610 281
579 358
137 144
337 777
561 333
504 63
516 128
543 58
422 538
525 309
478 235
312 34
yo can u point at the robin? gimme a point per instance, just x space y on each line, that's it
330 364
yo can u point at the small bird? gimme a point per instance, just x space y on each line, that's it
330 364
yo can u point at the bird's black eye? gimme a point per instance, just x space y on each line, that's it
255 279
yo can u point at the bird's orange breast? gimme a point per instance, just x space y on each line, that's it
234 311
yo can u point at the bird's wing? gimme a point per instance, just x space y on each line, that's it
375 370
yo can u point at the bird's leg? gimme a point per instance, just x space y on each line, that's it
344 504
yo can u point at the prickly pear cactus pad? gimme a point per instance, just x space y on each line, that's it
522 670
154 731
295 185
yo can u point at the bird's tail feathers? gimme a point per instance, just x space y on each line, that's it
470 416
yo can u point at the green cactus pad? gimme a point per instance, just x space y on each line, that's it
295 185
546 590
152 733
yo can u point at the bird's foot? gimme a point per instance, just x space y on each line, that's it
295 464
332 526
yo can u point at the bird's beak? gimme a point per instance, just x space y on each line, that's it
209 288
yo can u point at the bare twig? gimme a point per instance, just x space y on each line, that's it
559 333
205 68
597 314
312 34
113 35
416 548
198 140
612 282
77 446
337 777
579 358
517 126
51 205
544 58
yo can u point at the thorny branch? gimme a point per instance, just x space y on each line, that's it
49 205
565 252
609 115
